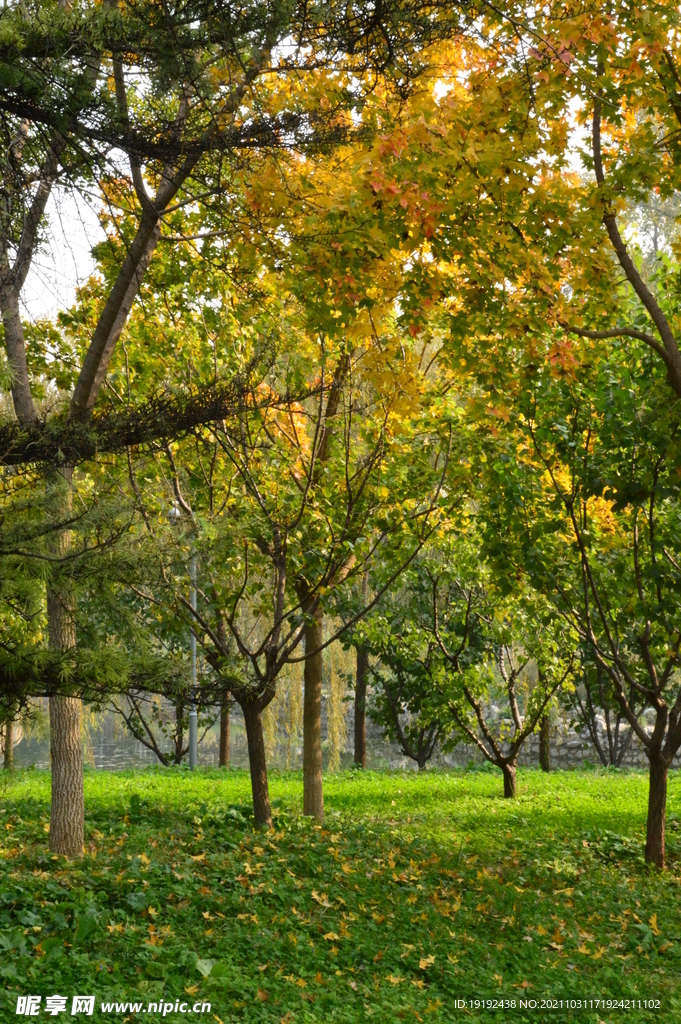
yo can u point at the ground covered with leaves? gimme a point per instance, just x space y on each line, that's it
420 890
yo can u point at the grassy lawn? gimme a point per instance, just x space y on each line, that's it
418 891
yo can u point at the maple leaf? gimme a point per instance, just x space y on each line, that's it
426 961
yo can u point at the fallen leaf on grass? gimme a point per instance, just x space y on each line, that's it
653 925
426 961
262 995
331 937
395 979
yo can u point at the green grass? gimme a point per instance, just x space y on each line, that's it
420 889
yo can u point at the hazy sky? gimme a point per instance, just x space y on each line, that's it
65 260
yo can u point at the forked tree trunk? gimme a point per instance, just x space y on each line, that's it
545 744
9 745
224 736
657 812
67 814
360 707
509 779
313 794
258 764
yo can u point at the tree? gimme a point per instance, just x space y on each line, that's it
453 648
594 708
585 506
204 89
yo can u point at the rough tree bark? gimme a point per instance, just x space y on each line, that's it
657 811
545 744
509 779
361 676
9 745
224 735
313 795
67 815
258 763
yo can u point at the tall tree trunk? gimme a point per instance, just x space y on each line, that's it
224 735
509 780
9 745
657 811
545 744
258 764
313 794
360 707
67 815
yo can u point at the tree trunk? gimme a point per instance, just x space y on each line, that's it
360 707
67 812
224 736
509 780
9 745
258 765
313 794
67 815
657 812
545 744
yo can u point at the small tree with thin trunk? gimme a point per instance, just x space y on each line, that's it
589 515
457 648
595 710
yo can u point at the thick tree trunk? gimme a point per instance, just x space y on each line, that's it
313 794
545 744
258 765
657 812
360 707
67 815
68 812
224 736
509 780
16 358
9 745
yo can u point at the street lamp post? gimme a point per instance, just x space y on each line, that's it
174 515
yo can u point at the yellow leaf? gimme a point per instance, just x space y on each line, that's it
653 925
331 937
301 983
426 961
347 868
395 979
499 979
191 990
584 950
541 930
